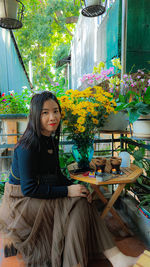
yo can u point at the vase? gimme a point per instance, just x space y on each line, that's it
83 154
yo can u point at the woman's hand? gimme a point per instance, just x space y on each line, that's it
78 190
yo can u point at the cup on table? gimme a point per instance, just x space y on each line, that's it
115 164
100 164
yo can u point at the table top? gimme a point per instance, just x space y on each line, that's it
130 175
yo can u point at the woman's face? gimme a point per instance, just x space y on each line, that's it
50 117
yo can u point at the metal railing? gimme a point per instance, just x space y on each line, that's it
104 144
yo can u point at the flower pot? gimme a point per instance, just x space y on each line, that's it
116 122
92 2
83 154
8 9
141 127
139 222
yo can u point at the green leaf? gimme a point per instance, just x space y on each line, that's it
138 154
147 96
133 115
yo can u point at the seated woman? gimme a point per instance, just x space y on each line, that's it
49 220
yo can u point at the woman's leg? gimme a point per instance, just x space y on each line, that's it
76 238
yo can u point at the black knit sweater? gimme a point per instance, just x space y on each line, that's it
38 171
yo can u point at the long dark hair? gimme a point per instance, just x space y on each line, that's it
32 133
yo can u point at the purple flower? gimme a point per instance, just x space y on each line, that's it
4 100
56 83
111 69
90 81
138 77
148 82
97 78
145 89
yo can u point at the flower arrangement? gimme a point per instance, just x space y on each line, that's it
85 111
136 97
108 78
14 103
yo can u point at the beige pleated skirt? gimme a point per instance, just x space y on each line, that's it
61 232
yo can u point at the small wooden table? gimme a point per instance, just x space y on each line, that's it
129 176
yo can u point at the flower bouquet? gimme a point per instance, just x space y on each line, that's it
84 113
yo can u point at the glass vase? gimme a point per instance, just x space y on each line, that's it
83 154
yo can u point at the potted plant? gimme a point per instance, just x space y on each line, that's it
136 101
141 189
136 201
14 110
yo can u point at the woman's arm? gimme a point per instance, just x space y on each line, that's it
27 162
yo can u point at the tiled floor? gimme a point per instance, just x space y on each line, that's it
131 246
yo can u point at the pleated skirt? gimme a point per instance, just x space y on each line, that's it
62 232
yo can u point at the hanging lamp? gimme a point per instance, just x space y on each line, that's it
93 8
11 14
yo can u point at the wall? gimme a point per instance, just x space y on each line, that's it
82 50
12 72
138 34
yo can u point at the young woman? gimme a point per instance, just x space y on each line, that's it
49 220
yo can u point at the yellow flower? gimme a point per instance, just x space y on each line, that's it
95 121
69 92
81 129
116 63
100 66
81 120
65 122
84 110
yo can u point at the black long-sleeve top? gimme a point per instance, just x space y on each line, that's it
38 171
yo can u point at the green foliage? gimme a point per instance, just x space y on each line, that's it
45 28
142 186
136 103
61 52
145 201
15 103
65 159
2 185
